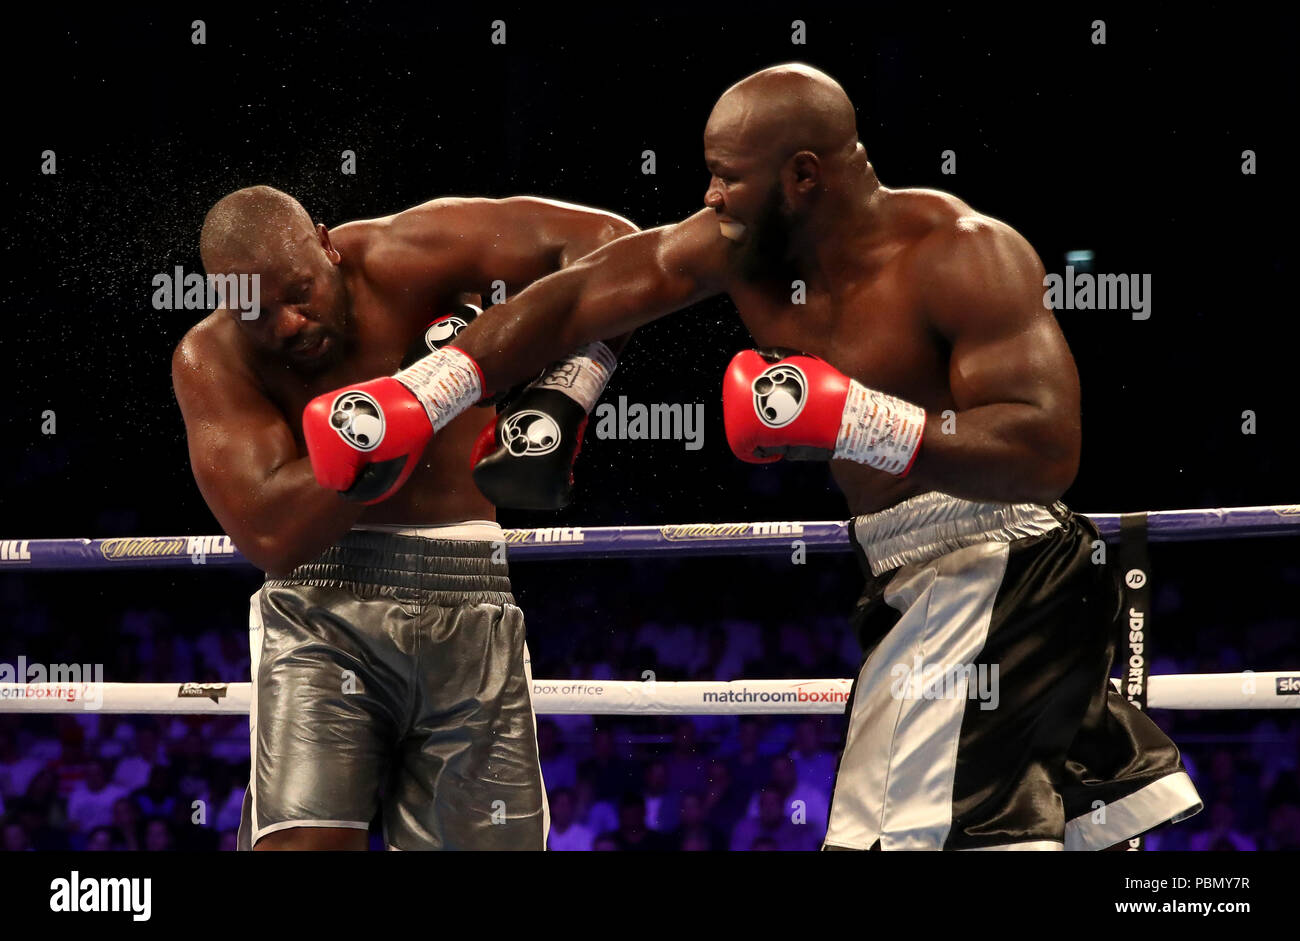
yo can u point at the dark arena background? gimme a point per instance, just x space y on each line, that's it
1159 151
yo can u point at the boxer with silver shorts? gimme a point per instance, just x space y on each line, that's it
389 666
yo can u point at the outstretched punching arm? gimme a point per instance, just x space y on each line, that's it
625 284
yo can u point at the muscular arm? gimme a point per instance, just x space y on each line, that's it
1013 380
247 465
615 289
470 244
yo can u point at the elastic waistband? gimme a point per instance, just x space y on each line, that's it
470 530
930 525
447 571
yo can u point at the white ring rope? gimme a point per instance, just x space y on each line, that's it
1246 690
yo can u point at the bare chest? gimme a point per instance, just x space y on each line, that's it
873 333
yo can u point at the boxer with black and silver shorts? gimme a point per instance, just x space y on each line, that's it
389 666
904 338
982 716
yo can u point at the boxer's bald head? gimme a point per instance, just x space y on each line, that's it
780 111
251 227
777 143
262 231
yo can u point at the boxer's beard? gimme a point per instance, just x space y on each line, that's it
766 254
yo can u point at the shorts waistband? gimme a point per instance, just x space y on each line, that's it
471 530
457 571
925 527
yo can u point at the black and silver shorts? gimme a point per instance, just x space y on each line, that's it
983 716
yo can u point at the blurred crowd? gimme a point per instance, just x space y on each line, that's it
103 782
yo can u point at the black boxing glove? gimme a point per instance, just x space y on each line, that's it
524 458
442 330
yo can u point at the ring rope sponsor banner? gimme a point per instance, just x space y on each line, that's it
557 542
165 698
1135 619
586 542
1246 690
632 697
1135 615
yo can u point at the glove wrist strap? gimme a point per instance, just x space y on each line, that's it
582 375
879 430
446 382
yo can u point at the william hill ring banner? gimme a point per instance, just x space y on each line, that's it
586 542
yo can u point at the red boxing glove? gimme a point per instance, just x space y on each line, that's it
364 440
781 403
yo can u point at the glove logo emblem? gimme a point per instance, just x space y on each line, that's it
779 395
564 375
358 419
530 434
443 331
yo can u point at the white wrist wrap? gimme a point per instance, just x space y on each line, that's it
581 376
879 430
446 382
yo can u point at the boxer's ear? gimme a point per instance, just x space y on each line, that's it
323 236
804 173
